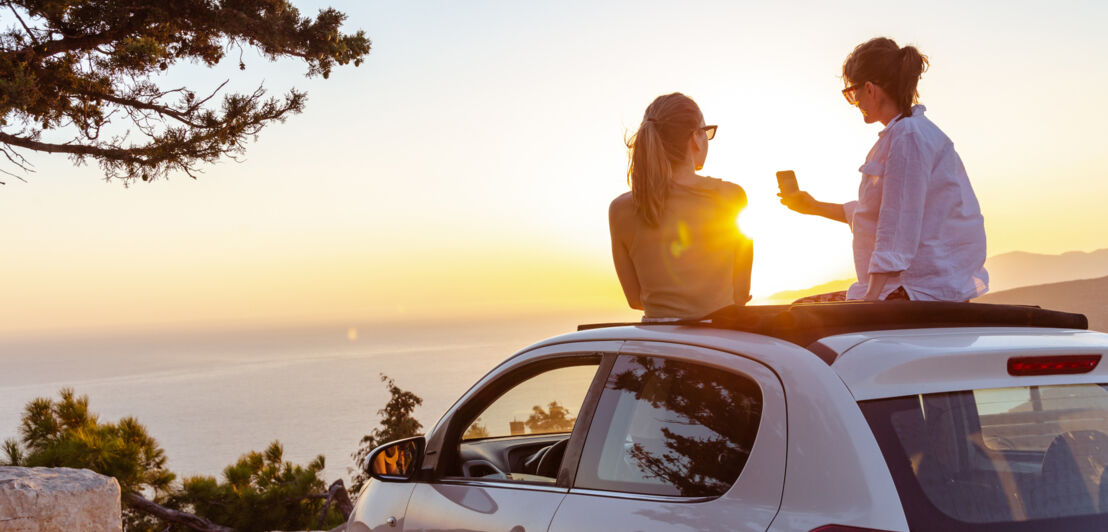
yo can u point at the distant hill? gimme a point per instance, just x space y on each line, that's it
1086 296
1006 271
1018 268
788 296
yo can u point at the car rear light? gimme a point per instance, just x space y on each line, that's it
844 528
1052 365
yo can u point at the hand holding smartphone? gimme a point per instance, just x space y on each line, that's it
803 202
786 181
791 196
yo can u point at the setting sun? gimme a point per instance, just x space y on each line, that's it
746 225
791 251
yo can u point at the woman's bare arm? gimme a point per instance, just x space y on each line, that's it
620 224
744 262
804 203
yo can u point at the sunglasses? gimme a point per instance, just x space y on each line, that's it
709 131
851 93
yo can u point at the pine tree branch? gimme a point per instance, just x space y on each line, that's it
180 116
142 504
335 494
16 159
199 144
66 44
69 73
127 155
21 23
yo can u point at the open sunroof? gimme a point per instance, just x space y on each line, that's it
803 324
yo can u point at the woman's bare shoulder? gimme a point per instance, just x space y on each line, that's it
731 192
621 215
623 204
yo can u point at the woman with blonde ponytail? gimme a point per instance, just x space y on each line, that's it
677 249
918 229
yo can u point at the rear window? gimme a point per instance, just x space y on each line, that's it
1023 458
1031 418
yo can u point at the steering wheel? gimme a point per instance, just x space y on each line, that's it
551 459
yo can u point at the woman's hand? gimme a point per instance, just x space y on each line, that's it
801 202
877 282
804 203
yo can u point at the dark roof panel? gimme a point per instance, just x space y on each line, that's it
803 324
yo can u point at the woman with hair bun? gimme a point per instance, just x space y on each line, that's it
918 229
676 246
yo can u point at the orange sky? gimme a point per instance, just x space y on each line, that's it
466 167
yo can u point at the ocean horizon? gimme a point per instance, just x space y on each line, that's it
210 397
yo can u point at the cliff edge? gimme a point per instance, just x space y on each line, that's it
41 499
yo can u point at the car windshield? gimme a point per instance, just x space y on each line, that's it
1024 458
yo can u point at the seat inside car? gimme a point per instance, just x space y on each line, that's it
1072 472
957 474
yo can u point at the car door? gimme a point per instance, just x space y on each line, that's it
500 462
682 438
379 505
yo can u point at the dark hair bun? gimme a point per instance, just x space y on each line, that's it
896 70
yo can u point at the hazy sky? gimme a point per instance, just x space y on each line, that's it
467 165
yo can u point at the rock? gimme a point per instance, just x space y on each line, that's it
41 499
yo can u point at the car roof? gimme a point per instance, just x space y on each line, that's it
882 364
885 349
887 363
805 324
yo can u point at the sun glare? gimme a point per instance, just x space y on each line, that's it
791 252
747 223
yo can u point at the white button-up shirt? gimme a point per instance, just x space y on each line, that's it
917 216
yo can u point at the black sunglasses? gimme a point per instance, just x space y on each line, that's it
850 93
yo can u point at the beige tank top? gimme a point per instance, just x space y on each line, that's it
685 265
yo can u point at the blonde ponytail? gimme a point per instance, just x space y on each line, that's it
648 172
660 142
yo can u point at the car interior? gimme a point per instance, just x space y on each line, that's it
1025 463
530 458
517 429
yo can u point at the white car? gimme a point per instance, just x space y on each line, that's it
890 416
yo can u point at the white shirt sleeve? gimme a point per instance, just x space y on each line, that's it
903 196
848 212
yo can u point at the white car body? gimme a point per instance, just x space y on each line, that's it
815 461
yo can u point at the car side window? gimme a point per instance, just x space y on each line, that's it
522 434
669 427
546 403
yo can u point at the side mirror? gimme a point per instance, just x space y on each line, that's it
396 461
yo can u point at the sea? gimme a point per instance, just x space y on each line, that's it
209 397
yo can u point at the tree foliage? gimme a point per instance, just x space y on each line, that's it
716 410
81 77
476 430
64 433
13 453
396 423
556 418
261 491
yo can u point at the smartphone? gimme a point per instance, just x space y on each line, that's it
786 181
